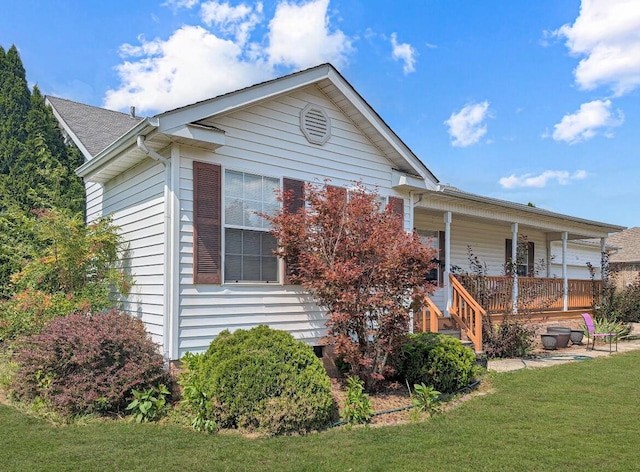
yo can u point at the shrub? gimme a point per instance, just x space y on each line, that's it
436 360
85 363
357 408
628 303
261 379
68 267
512 337
27 312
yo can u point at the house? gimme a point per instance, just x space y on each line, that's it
184 185
624 256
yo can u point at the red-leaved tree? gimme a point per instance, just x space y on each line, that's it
357 261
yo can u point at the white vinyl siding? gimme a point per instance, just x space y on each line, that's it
135 199
266 140
577 257
93 193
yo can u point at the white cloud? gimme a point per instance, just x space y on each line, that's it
585 123
563 177
237 21
191 65
201 61
467 126
607 35
300 36
403 52
177 4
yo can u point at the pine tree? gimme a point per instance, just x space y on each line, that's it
36 167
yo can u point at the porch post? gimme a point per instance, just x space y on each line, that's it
447 258
565 281
514 266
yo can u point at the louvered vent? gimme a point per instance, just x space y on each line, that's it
315 124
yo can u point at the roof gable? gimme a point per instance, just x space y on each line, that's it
333 85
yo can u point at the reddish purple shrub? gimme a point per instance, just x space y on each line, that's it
86 363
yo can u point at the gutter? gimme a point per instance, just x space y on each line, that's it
167 317
521 207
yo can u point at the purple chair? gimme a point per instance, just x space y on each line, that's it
591 329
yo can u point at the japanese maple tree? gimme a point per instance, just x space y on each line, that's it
356 260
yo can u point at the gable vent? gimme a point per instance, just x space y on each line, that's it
315 124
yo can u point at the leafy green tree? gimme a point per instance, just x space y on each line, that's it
68 267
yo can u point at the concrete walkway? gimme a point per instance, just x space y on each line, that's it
562 356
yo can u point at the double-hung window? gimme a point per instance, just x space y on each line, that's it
248 253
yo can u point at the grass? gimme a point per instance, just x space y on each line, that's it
579 416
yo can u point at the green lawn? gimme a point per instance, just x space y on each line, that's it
580 416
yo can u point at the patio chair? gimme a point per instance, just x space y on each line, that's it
591 329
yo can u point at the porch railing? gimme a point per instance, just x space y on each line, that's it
537 294
467 312
434 315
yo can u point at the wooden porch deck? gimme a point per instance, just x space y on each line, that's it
539 300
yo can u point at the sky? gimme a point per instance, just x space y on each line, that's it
528 101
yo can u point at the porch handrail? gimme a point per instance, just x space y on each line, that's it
467 312
541 293
434 314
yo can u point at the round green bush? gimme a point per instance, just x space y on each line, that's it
88 363
436 360
261 379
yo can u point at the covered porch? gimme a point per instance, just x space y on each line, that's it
497 257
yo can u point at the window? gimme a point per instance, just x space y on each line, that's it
248 244
525 257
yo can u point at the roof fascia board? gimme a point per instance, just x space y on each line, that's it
89 168
608 228
198 133
363 107
240 98
403 181
85 152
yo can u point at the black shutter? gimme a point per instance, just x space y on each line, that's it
293 191
508 248
207 223
531 259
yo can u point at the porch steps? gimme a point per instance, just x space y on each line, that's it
456 333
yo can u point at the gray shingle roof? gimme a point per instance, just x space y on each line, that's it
629 243
94 127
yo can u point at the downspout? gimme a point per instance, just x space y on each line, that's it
565 280
412 226
167 328
514 266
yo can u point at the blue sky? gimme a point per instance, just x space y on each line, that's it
529 101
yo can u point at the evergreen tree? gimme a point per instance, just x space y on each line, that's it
36 167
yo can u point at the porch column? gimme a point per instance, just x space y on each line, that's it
447 258
565 280
514 266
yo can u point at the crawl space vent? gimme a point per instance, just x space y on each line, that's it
315 124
